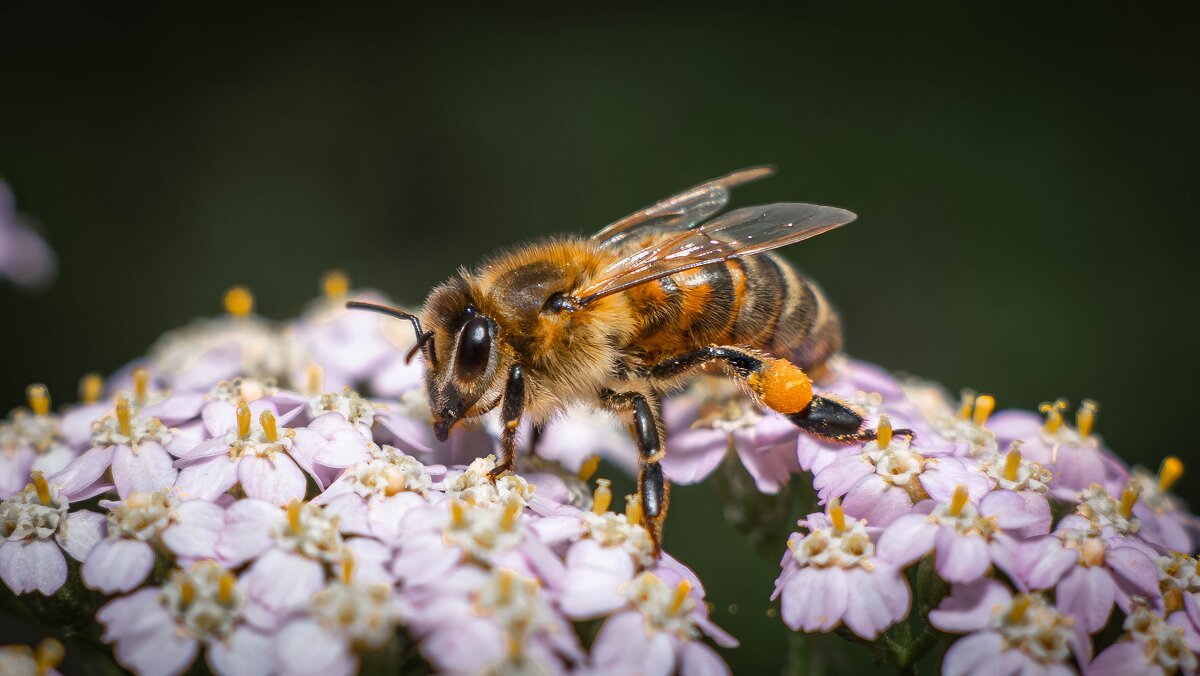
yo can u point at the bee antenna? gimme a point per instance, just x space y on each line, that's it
424 338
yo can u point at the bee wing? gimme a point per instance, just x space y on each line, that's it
681 211
737 234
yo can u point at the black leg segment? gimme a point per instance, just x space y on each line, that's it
511 409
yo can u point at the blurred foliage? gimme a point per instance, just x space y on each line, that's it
1022 174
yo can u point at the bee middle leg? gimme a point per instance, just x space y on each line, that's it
511 409
778 384
653 488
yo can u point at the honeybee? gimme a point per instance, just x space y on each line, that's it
623 318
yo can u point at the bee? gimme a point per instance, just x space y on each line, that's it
623 318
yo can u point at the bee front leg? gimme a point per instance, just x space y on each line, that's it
653 488
511 409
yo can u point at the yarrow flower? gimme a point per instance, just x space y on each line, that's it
259 521
25 258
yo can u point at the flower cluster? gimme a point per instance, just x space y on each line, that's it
1025 532
233 500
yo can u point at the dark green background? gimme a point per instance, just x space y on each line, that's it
1025 180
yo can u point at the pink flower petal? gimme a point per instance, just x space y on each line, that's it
244 651
83 472
867 614
247 531
279 585
772 467
969 607
194 535
1025 514
1043 561
32 565
162 651
344 448
1136 569
277 480
118 565
943 475
136 614
907 539
986 648
877 501
815 599
1121 659
623 645
594 575
1087 594
694 454
304 647
209 478
837 478
144 470
697 659
81 532
961 558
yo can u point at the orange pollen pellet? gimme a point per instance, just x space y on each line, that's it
782 386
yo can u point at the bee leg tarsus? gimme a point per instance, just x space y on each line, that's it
654 492
832 420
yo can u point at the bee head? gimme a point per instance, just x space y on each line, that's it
461 378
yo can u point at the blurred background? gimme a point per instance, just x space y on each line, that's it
1025 181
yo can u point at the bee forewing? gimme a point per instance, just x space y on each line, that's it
739 233
680 211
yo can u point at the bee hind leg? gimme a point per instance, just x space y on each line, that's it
837 421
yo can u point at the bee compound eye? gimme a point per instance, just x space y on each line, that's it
474 349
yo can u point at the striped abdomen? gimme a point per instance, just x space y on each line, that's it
760 302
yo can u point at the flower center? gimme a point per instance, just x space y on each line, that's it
484 529
620 530
474 486
353 407
128 428
1162 644
142 515
1014 473
1091 548
1098 505
664 608
364 613
34 426
311 532
205 599
845 544
1176 577
36 512
1032 626
389 472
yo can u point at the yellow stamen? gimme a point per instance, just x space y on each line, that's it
141 385
633 509
681 594
588 469
1085 419
91 388
335 283
40 485
1012 463
1020 605
837 515
512 509
267 420
1169 473
243 420
294 509
187 593
1053 413
959 500
314 379
457 512
984 405
883 433
225 588
506 584
602 496
39 399
348 563
1128 497
396 483
124 425
239 302
49 654
965 403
